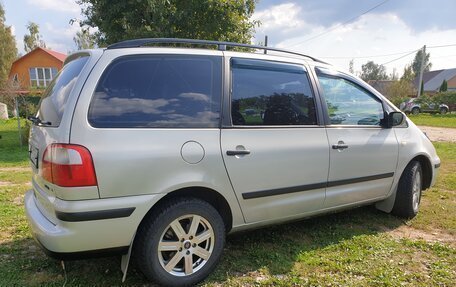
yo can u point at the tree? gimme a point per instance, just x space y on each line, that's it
8 50
84 39
211 19
351 69
416 64
394 76
444 86
33 39
401 90
408 74
372 71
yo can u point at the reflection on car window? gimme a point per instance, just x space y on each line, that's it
269 93
349 104
158 91
54 100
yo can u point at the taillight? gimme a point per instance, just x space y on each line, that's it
68 165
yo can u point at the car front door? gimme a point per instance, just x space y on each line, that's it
363 154
275 152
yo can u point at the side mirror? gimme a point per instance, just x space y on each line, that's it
395 119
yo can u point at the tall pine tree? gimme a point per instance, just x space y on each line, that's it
444 86
8 50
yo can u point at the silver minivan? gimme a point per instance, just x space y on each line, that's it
157 152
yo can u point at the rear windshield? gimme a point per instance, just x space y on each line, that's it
53 103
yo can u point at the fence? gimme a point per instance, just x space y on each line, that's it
14 128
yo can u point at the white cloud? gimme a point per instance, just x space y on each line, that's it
68 6
13 30
69 31
371 34
280 20
60 39
280 16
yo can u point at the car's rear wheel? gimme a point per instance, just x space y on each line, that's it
408 195
415 111
443 111
181 244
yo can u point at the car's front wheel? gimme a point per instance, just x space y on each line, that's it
415 111
443 111
408 195
181 244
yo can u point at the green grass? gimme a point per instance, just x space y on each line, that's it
360 247
11 152
434 120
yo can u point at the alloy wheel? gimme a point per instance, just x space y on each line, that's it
186 245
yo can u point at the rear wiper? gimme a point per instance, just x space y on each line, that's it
38 121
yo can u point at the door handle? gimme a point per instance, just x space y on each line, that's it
340 145
237 152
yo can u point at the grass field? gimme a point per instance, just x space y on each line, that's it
435 120
361 247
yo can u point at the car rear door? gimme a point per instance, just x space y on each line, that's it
274 149
363 154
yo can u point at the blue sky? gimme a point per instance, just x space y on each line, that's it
394 27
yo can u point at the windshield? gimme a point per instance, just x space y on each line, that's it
52 105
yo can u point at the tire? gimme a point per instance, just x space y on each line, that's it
415 111
199 245
443 111
408 195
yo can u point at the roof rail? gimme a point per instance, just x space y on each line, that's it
220 45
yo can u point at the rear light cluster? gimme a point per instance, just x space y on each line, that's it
68 165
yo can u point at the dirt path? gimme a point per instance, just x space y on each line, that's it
440 134
432 236
12 169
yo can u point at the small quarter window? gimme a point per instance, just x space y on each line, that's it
268 93
158 91
349 104
55 97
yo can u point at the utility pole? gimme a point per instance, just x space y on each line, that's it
423 56
265 43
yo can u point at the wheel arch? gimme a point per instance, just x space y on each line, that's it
209 195
387 204
426 167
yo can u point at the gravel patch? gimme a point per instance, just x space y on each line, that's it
439 134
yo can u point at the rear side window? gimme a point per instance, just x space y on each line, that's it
55 97
157 91
266 93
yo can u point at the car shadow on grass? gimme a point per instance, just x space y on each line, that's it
274 248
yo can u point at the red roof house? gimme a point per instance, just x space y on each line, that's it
36 69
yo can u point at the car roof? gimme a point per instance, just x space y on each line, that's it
222 46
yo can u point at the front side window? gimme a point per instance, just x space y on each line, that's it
158 91
350 104
41 77
268 93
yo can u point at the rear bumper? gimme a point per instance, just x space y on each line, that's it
88 228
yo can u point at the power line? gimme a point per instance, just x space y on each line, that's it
438 46
387 55
372 56
441 46
339 25
400 57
